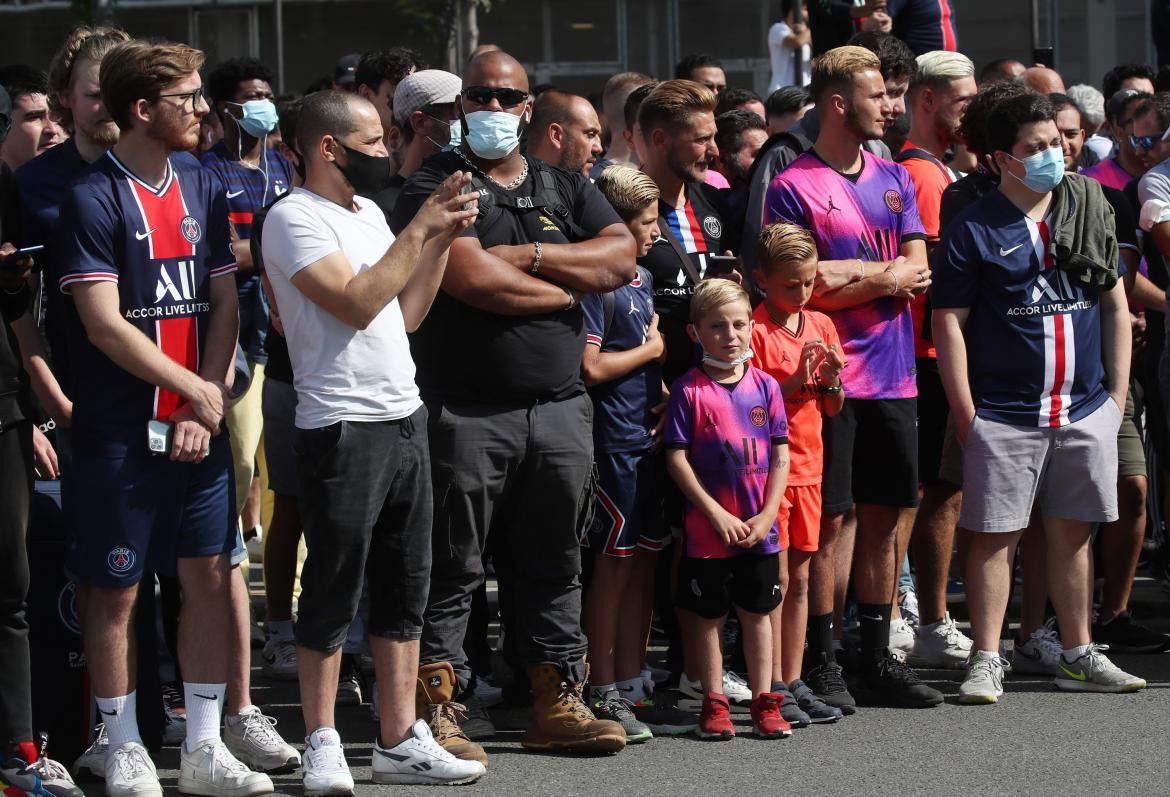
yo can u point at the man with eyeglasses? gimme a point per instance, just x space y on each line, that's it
149 264
499 365
1118 171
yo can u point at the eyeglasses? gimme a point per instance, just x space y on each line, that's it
482 95
1148 142
195 96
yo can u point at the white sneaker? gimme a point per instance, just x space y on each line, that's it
252 738
984 681
131 773
908 608
901 637
1040 654
738 694
940 645
280 659
325 770
420 760
92 763
1093 672
212 771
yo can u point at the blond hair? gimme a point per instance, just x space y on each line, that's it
833 71
83 43
713 294
627 189
939 67
785 243
672 103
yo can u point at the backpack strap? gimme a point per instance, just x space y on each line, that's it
493 201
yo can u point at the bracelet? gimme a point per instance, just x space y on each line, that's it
860 269
572 299
536 258
890 271
835 390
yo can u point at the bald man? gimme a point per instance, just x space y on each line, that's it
565 132
499 365
1042 80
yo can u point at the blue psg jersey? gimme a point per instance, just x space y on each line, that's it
248 190
623 420
162 247
1033 334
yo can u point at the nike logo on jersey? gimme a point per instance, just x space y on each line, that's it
233 194
144 235
1005 252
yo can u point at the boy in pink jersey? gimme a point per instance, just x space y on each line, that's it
727 449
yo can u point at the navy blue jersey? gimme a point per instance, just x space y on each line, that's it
41 184
162 246
1033 335
622 419
248 190
924 25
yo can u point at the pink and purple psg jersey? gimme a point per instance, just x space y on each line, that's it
728 432
866 216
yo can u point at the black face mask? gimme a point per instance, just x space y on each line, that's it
368 174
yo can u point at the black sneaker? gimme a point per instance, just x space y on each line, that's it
1124 635
349 681
828 683
817 710
790 710
887 681
616 708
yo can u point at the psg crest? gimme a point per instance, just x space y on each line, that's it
190 229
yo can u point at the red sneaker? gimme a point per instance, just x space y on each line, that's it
715 721
766 719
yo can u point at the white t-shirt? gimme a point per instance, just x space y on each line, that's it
784 61
340 373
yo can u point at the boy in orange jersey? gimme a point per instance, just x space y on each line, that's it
800 349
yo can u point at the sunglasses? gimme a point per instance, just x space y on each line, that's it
1148 142
483 95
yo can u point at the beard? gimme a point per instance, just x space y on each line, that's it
104 133
686 171
854 124
174 132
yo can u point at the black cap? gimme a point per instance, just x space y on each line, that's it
346 67
5 113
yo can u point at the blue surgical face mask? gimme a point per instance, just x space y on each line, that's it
492 135
728 365
1042 171
259 117
456 134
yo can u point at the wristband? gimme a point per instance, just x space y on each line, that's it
860 269
572 299
539 253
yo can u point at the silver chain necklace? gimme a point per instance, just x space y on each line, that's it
512 186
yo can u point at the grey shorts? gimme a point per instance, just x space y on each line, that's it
1069 472
279 405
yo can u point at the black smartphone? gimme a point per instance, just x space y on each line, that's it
1045 56
720 264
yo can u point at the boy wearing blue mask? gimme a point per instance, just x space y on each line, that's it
1032 333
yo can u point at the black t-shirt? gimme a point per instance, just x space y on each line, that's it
698 229
464 354
386 198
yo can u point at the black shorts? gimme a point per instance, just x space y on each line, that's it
933 411
871 455
710 587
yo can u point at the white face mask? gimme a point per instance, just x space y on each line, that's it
724 364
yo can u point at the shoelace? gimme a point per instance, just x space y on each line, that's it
732 682
285 653
329 757
49 770
129 762
951 631
225 760
899 669
1047 640
261 726
618 706
1099 661
832 681
569 697
445 720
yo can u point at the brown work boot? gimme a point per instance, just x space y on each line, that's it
436 687
562 721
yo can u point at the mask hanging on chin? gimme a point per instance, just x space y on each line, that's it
728 365
368 174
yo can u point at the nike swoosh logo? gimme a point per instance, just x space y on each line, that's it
1005 252
108 713
143 235
1075 676
205 697
877 619
233 194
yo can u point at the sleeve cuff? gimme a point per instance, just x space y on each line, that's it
69 280
224 270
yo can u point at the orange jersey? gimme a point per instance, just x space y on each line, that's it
930 178
777 352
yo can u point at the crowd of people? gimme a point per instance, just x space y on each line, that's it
763 376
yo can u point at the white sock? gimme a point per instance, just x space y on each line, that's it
633 689
203 709
990 653
120 714
1072 654
280 630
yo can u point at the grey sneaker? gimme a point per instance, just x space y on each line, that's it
1039 654
617 708
790 710
252 738
939 645
818 711
1093 672
280 659
984 681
